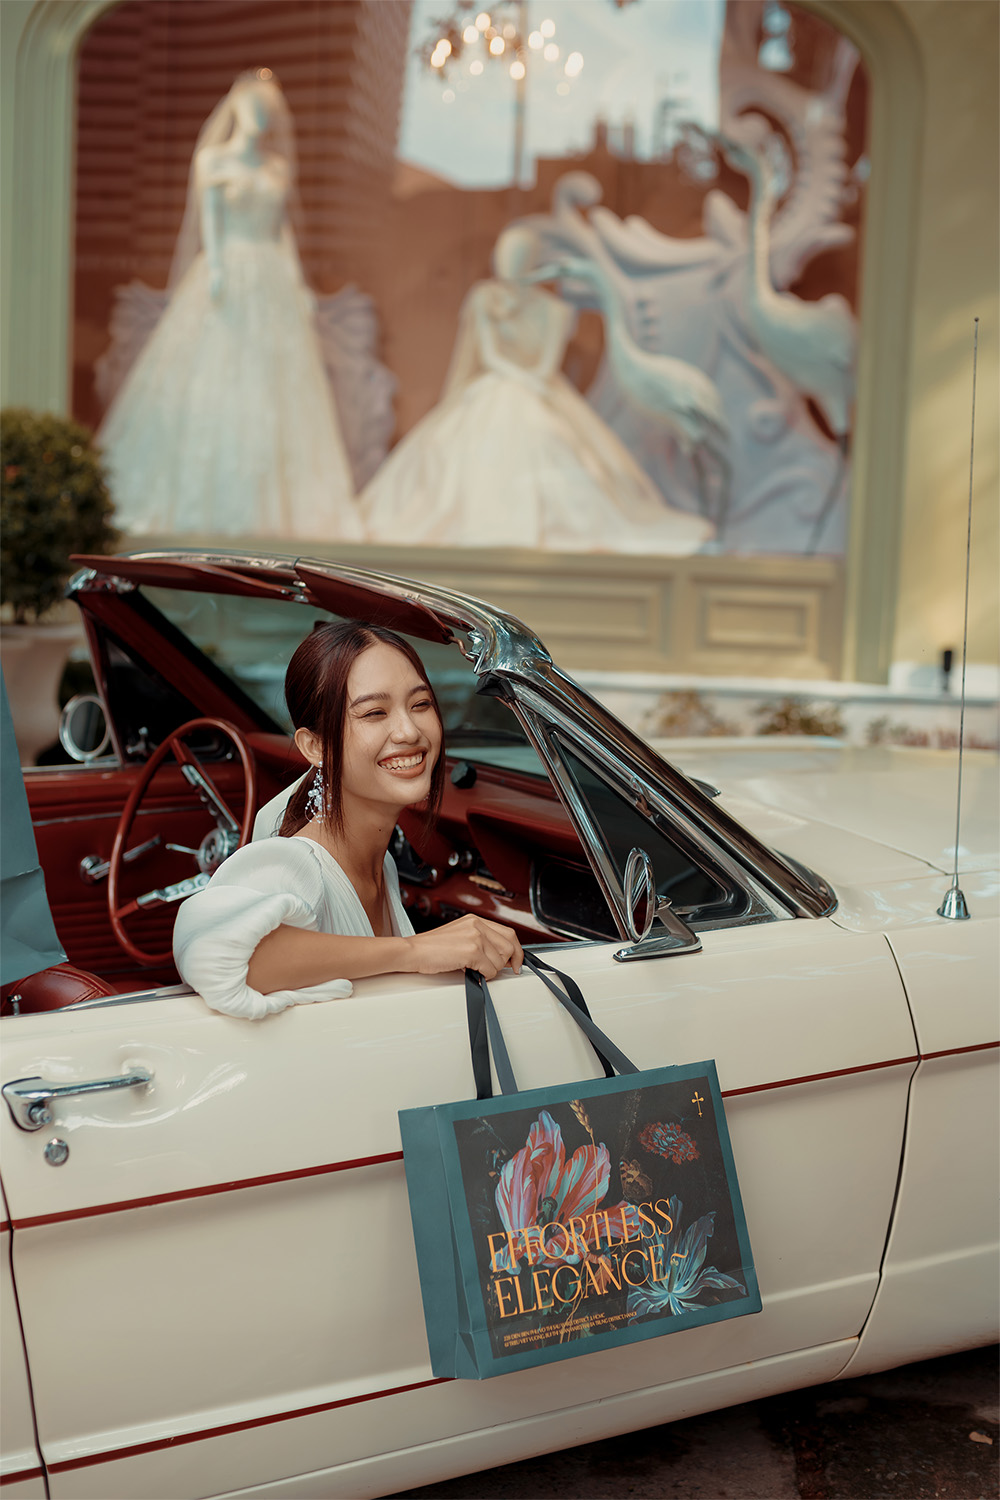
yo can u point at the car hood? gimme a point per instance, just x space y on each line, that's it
857 814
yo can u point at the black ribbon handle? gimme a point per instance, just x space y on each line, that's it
485 1031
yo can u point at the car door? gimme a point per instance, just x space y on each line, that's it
215 1268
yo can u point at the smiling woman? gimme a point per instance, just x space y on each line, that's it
296 918
341 689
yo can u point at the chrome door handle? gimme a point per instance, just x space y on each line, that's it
93 868
28 1099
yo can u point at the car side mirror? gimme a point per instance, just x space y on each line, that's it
640 895
84 732
643 907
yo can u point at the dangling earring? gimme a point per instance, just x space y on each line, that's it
314 801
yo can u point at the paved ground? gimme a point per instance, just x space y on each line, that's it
923 1432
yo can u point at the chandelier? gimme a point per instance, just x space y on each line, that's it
474 39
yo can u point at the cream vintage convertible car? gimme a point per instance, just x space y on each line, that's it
209 1285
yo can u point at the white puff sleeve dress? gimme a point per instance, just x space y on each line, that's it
292 882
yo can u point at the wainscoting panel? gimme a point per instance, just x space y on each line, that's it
717 616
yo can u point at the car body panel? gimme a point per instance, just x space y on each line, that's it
945 1228
940 1287
917 819
808 1032
415 1461
890 868
959 961
899 798
892 905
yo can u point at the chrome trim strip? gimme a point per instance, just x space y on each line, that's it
104 1002
604 870
95 817
133 997
106 763
244 561
495 641
105 583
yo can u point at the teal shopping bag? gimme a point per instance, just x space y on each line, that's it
559 1221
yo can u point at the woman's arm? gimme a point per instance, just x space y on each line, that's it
250 943
291 958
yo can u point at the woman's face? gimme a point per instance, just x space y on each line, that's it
392 734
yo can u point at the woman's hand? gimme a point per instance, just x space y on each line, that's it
470 943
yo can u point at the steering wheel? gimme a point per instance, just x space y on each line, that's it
227 836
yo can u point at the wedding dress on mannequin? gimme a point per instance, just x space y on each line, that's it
512 455
226 424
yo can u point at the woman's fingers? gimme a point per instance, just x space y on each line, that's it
486 955
471 942
501 944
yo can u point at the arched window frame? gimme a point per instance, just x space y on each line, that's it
38 138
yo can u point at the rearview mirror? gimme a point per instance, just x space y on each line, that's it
640 895
84 732
642 907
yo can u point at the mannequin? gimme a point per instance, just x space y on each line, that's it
226 424
512 455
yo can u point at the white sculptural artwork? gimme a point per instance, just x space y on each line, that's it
226 424
512 455
720 302
670 394
813 344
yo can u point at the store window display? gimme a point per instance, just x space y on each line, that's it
679 425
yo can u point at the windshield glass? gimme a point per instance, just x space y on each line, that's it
250 641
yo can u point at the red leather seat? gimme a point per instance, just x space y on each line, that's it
52 989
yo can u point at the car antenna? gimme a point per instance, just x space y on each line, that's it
954 904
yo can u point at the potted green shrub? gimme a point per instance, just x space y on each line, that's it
54 501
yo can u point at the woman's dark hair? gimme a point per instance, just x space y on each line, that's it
316 694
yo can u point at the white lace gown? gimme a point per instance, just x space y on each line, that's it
226 424
513 456
270 883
